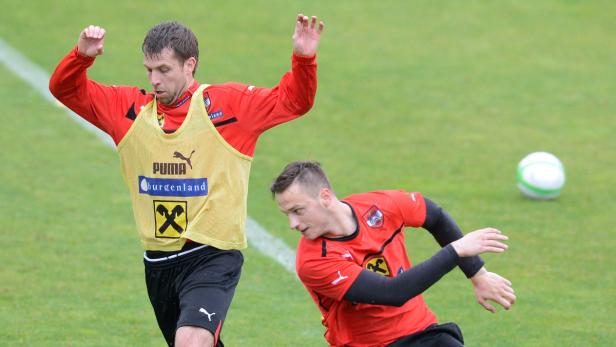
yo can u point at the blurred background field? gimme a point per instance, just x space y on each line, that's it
439 97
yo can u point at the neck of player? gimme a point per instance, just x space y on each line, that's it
342 223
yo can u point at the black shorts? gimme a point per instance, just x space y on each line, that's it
194 287
436 335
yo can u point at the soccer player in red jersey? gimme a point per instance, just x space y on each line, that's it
186 151
352 259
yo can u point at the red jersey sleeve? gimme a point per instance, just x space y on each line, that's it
103 106
412 207
259 109
330 276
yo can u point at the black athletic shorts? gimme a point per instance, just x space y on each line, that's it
436 335
193 287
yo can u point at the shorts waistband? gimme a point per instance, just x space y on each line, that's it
159 256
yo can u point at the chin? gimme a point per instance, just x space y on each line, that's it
312 236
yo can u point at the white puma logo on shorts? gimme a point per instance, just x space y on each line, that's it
209 315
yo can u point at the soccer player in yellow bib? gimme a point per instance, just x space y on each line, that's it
186 150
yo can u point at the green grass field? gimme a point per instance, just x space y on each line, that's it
443 98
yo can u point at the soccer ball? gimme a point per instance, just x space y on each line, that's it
541 175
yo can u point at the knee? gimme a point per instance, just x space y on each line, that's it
190 336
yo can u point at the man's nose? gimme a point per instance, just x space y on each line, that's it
293 223
154 80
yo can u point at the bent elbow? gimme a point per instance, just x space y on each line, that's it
55 87
305 107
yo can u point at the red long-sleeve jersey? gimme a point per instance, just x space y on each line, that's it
328 268
240 112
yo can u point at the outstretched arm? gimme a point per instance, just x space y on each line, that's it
487 285
372 288
445 230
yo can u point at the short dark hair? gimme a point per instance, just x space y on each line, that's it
308 173
175 36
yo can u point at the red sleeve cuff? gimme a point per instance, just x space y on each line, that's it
303 59
82 58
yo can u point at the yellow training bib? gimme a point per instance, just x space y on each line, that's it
190 184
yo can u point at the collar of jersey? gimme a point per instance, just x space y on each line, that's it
188 93
354 234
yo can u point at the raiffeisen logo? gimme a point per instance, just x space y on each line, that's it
173 186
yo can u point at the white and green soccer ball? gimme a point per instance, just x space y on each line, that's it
541 175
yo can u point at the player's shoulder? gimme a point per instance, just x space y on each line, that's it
318 257
373 207
132 97
131 91
382 198
308 248
231 88
137 96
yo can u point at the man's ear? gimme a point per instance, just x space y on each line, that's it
190 64
326 197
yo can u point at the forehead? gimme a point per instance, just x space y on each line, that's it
294 196
165 57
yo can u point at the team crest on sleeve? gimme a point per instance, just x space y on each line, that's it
207 101
170 218
374 217
378 264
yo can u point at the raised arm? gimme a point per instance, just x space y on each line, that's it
263 108
69 82
102 105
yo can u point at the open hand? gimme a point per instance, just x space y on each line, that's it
307 35
480 241
491 286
